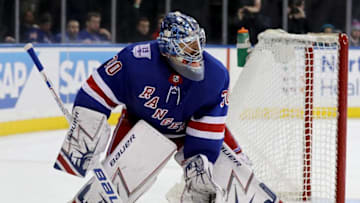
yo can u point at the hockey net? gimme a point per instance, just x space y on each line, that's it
288 112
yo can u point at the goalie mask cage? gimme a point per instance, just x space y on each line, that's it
288 111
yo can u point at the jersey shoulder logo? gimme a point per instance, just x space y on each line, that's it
142 51
113 66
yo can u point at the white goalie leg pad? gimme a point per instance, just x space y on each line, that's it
86 138
239 181
133 166
98 189
199 183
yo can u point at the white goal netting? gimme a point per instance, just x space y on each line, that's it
284 113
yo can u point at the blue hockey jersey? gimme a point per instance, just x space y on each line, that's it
141 79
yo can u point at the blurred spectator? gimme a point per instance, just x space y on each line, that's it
327 28
72 32
125 24
93 33
248 15
28 22
297 21
43 33
9 39
142 31
137 3
155 34
355 34
272 9
79 9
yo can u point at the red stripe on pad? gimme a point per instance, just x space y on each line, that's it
65 165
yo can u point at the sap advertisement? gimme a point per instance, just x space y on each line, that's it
24 95
15 69
75 68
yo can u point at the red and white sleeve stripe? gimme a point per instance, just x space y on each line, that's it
207 127
98 89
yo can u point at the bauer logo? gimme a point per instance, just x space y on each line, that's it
15 69
122 150
75 68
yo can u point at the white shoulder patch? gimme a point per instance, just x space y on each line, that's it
142 51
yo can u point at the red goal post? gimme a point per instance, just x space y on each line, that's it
288 110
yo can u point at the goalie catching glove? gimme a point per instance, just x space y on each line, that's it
199 183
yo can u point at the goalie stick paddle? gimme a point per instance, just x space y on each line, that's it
103 179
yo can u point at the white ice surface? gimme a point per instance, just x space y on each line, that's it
26 173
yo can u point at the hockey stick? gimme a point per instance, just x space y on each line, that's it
30 50
99 171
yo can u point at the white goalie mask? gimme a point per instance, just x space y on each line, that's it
182 41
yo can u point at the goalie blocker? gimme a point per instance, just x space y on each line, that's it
86 138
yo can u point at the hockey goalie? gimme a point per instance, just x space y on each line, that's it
175 98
